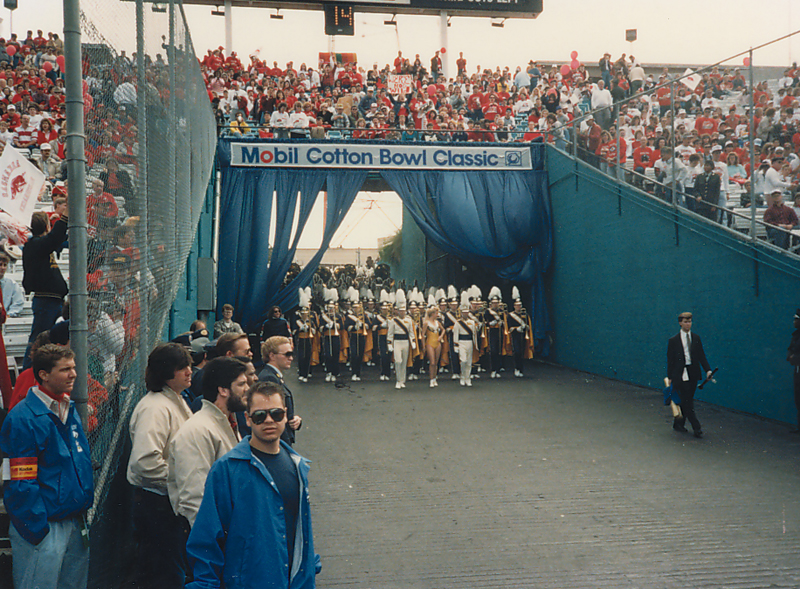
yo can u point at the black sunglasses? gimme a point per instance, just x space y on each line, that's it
260 416
289 354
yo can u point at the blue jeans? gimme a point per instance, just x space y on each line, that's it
60 560
46 310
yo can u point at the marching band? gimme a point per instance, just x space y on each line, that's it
449 333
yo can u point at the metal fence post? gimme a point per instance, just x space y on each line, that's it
76 171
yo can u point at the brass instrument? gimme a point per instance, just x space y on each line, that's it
458 314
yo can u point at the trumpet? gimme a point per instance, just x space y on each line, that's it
458 314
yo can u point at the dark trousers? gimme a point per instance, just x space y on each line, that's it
46 310
386 358
455 364
686 389
161 538
496 361
304 356
357 343
518 341
331 346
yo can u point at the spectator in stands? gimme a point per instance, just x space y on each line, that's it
208 435
279 122
41 277
50 163
13 297
156 419
25 134
601 103
116 182
781 217
51 484
106 339
226 324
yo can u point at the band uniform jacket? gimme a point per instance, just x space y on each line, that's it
676 360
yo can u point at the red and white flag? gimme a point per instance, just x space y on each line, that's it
21 183
691 79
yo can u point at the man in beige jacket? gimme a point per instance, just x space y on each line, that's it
208 435
157 417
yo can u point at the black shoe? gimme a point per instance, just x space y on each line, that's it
679 428
698 434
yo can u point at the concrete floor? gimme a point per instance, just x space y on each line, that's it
559 480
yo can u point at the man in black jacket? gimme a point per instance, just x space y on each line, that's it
277 354
42 277
685 356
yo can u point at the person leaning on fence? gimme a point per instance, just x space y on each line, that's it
156 419
253 528
780 219
52 483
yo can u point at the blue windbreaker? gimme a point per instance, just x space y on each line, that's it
238 540
51 468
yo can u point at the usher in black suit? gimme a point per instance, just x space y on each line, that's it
676 362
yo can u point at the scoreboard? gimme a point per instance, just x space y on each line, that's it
339 19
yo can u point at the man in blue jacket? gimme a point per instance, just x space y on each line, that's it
253 528
51 483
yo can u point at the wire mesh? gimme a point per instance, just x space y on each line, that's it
150 144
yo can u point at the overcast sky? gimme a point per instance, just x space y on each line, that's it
680 31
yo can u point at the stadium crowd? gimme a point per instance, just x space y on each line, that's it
625 109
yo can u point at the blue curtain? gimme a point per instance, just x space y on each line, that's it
250 274
500 220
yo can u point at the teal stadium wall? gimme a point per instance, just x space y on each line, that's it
621 273
184 307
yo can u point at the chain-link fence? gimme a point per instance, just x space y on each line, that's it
150 143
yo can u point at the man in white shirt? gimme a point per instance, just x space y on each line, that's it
601 99
207 435
671 172
773 180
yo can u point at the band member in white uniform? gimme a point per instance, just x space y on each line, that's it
464 340
400 339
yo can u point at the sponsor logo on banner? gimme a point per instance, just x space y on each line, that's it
20 185
399 84
418 157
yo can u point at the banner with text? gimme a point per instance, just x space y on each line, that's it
400 84
403 157
21 182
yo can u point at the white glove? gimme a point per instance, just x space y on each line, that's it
520 329
358 324
384 325
304 327
493 324
329 325
374 328
455 348
390 347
